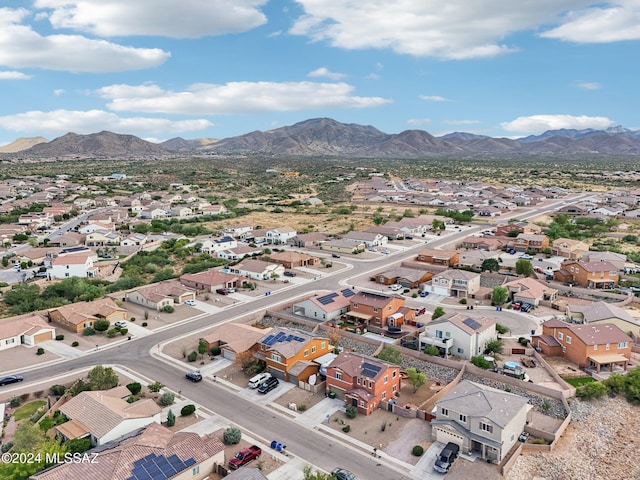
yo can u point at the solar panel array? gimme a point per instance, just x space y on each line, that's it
327 299
282 337
158 467
347 292
370 370
472 324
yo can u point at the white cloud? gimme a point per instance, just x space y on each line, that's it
600 24
58 91
536 124
325 72
418 121
589 85
461 122
63 121
433 98
22 47
14 76
236 98
167 18
456 29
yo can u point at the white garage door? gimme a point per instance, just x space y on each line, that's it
445 437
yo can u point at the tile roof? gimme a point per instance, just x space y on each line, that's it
353 364
237 337
79 312
22 325
460 320
596 311
592 334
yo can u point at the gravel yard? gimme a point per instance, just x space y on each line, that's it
601 443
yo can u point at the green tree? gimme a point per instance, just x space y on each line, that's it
499 295
203 346
415 378
171 419
591 390
378 219
351 411
432 350
524 267
494 346
231 436
155 387
481 362
102 378
501 329
391 355
490 265
78 445
437 313
134 387
101 325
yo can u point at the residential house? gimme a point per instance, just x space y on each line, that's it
238 253
152 213
257 269
603 312
78 316
240 231
369 239
81 264
407 277
29 330
375 309
343 246
69 239
101 238
161 294
213 209
218 245
474 259
134 240
96 226
306 240
330 306
531 291
588 274
235 338
593 346
391 233
363 382
35 255
105 415
569 248
448 258
36 220
289 354
280 235
480 419
520 227
209 280
459 335
180 211
246 473
483 243
530 241
577 209
294 259
618 260
455 283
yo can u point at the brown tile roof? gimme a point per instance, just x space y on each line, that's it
159 291
79 312
24 324
353 364
117 463
238 337
479 324
209 277
371 299
592 334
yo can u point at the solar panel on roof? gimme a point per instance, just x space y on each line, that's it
472 324
370 370
268 340
327 299
347 292
189 461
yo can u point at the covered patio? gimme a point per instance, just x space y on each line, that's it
610 360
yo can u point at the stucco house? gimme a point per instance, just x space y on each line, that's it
28 330
455 283
280 235
531 291
81 264
78 316
235 338
209 280
480 419
161 294
369 239
375 309
329 306
603 312
257 269
448 258
362 381
588 274
459 335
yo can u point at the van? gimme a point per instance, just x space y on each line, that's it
268 385
255 381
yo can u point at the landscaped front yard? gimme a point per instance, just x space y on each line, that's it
28 409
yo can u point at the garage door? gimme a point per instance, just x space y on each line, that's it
229 355
445 437
43 337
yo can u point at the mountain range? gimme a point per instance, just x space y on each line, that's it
328 137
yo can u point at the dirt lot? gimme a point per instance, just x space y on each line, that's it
300 397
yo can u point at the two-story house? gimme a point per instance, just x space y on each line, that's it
240 231
530 241
218 245
480 419
593 346
80 264
603 312
531 291
588 274
569 248
289 354
280 235
455 283
375 309
362 381
458 334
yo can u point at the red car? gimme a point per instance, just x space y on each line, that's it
420 311
516 306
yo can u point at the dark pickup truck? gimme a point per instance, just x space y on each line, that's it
244 456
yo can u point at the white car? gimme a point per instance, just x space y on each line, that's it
396 287
191 303
120 324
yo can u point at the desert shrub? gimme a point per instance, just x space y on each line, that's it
46 424
144 324
481 362
168 309
15 402
171 419
192 357
38 393
155 387
132 319
58 390
351 411
124 331
112 333
591 390
463 301
134 387
502 329
78 445
346 428
131 399
432 350
6 447
40 351
187 410
523 341
89 331
215 351
231 436
166 399
75 344
417 451
302 407
101 325
59 337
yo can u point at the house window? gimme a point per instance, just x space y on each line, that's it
623 344
275 357
606 347
460 350
439 334
444 412
195 470
384 395
361 403
10 341
463 418
358 381
306 353
394 374
313 349
386 379
560 335
394 388
375 309
355 305
485 427
595 347
323 345
370 384
378 320
337 376
448 334
568 339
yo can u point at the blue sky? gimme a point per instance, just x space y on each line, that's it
218 68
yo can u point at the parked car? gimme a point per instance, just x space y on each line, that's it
289 273
525 256
395 287
268 385
446 458
512 252
420 311
385 252
526 307
225 291
424 293
335 255
244 456
120 324
516 306
194 376
342 474
524 436
191 303
258 379
10 379
408 237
